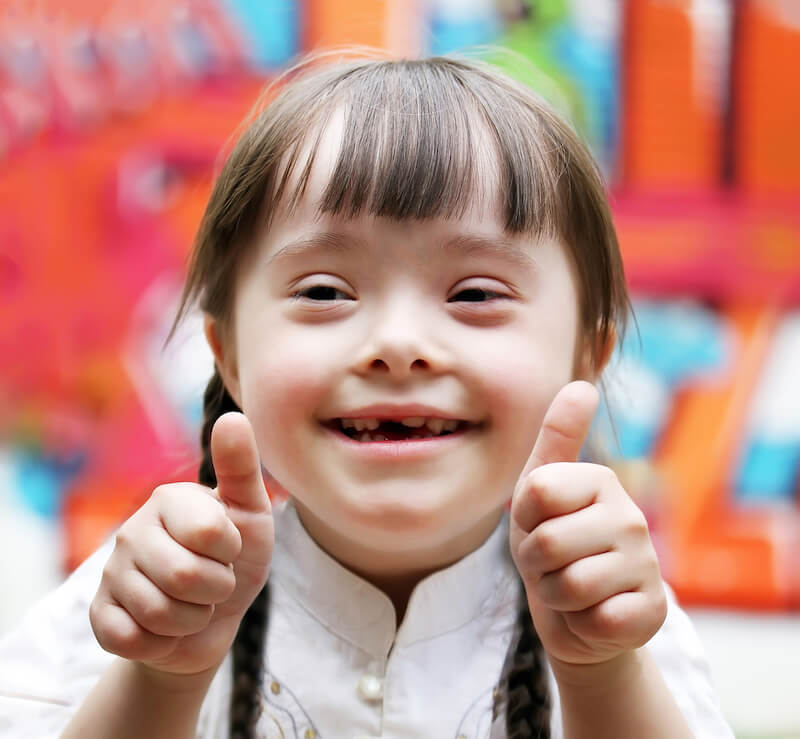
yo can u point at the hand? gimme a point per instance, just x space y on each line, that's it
189 562
582 545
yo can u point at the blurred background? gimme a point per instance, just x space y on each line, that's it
113 117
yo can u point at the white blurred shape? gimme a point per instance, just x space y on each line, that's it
30 551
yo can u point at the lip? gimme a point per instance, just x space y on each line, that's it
388 411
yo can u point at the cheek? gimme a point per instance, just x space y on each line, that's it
280 388
519 390
282 383
280 364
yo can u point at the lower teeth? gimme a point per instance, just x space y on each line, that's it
367 436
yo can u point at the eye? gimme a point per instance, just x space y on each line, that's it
321 293
474 295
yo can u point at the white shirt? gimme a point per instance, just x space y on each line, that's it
336 665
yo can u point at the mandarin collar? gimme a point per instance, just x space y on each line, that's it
477 586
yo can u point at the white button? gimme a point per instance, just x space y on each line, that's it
370 688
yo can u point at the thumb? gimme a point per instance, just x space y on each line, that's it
237 464
565 427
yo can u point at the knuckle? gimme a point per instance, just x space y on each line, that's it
636 523
575 584
608 621
158 497
183 577
155 615
109 572
125 538
545 542
537 481
204 614
115 637
651 573
521 554
227 583
607 476
211 529
659 608
96 619
160 492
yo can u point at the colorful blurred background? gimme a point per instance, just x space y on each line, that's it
113 118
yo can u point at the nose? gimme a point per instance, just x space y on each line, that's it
399 343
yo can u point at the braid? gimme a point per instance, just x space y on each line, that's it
248 646
524 688
248 667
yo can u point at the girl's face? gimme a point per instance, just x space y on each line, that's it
351 339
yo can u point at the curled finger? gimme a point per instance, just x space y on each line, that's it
587 582
155 611
197 520
118 633
182 574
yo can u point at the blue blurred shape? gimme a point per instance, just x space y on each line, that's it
38 484
769 471
456 26
591 62
680 341
271 27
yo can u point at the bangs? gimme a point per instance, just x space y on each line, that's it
419 141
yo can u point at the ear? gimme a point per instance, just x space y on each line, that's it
225 356
593 360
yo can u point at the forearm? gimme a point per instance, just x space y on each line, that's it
626 697
132 701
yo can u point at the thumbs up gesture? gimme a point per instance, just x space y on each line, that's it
189 562
582 545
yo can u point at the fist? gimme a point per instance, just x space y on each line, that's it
581 544
189 562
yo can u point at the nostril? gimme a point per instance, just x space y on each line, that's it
392 364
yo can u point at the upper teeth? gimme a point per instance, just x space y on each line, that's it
436 425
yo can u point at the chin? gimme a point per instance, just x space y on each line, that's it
399 525
391 515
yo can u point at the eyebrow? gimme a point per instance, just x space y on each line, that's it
326 241
495 247
460 245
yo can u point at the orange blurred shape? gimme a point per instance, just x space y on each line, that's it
394 25
337 22
91 512
767 96
671 119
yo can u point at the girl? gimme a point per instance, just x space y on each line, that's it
410 280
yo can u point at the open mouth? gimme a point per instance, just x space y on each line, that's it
406 429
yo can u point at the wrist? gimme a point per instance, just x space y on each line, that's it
598 678
133 700
152 679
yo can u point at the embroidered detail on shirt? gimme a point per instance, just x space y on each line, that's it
282 716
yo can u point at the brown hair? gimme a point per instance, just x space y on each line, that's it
412 135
